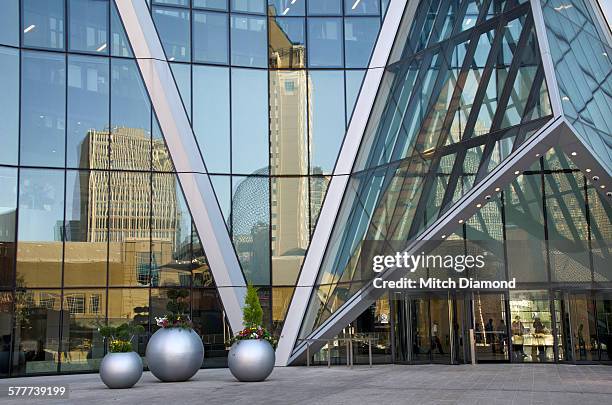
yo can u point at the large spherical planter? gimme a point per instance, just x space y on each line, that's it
175 354
121 370
251 360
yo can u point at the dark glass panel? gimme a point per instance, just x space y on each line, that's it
89 25
327 122
37 329
251 226
288 122
173 26
183 3
41 215
249 41
6 330
82 345
8 213
209 323
86 228
211 116
249 121
290 227
9 105
210 37
359 38
43 23
88 112
129 229
43 109
325 41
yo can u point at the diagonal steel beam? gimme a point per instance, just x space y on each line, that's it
339 182
191 170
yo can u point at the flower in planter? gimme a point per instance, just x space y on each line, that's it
252 320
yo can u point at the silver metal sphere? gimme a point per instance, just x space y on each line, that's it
251 360
174 354
121 370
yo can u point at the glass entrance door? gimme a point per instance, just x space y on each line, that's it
422 329
603 305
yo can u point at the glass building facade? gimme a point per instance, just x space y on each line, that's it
95 227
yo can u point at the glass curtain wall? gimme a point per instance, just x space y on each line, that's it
94 228
270 86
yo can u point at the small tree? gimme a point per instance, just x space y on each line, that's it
252 313
178 308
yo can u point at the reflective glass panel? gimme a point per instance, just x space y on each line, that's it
361 7
325 42
173 27
43 109
353 85
130 143
184 3
359 37
249 121
212 4
327 119
41 215
182 76
9 105
249 6
286 7
6 330
287 42
249 41
88 112
129 218
85 228
288 122
120 46
209 323
9 23
89 25
324 7
82 345
251 225
130 304
8 212
43 23
223 191
210 37
211 116
37 326
290 233
170 233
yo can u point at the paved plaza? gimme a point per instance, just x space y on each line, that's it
387 384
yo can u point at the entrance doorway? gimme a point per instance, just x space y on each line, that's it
423 329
